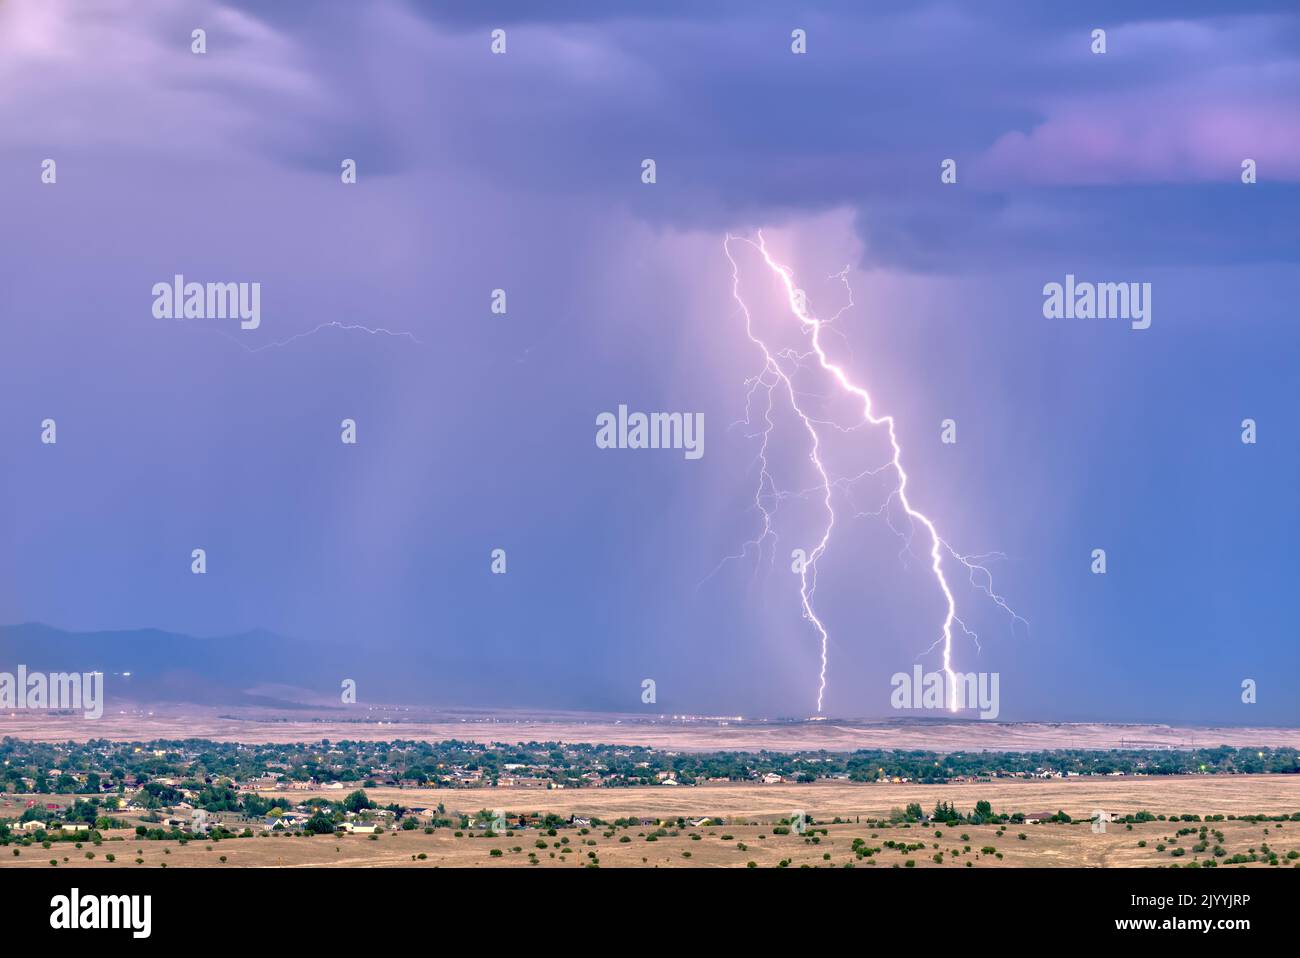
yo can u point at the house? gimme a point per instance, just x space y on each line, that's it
264 784
31 826
771 778
359 828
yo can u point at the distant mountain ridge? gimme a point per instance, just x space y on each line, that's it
175 667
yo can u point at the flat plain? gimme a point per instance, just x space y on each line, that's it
743 817
710 846
750 814
141 723
1078 797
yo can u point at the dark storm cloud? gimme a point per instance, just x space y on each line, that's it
1044 132
520 172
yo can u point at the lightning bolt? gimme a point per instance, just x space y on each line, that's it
373 331
776 379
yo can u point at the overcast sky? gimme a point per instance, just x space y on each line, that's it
475 431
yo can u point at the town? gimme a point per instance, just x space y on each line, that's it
183 798
125 768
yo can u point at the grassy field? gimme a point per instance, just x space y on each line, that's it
382 724
1191 794
1044 845
754 811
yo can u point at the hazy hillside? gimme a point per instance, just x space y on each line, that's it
152 665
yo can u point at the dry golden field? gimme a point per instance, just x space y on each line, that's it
395 722
754 810
1079 797
710 846
751 809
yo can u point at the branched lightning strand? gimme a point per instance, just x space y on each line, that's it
772 367
334 324
768 496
